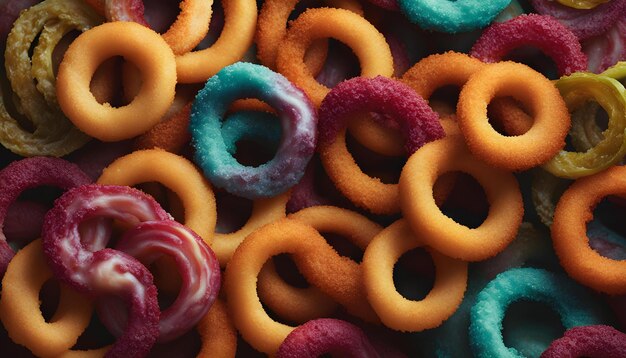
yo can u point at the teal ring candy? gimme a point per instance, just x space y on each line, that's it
299 131
572 302
452 16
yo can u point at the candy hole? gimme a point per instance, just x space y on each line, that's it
95 336
414 274
530 327
606 232
443 100
188 345
215 26
10 348
343 246
340 64
466 202
386 168
589 121
165 197
106 82
160 15
7 100
232 212
253 153
49 298
288 271
536 59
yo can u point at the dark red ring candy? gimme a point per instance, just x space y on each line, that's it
588 341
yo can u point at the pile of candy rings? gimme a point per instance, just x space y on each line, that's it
359 178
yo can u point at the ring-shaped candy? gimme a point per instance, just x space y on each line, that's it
582 4
452 16
551 118
240 18
29 173
185 33
172 134
539 31
394 310
174 172
576 90
382 95
311 253
217 333
138 44
20 312
271 30
596 341
368 44
298 120
572 302
301 305
569 232
441 232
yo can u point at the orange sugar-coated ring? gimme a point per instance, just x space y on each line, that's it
177 174
272 28
394 310
240 17
217 333
569 232
264 211
138 44
551 117
443 233
190 27
172 134
311 253
362 37
20 312
303 304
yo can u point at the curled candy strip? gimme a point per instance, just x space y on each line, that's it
603 51
31 173
196 263
597 341
540 31
99 271
326 335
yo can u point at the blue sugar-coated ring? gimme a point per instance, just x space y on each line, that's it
572 302
299 131
260 127
452 16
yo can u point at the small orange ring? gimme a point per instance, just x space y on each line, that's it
443 233
394 310
141 46
366 41
174 172
551 117
190 27
569 232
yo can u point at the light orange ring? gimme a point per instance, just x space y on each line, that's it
264 211
172 134
240 17
177 174
551 117
376 137
141 46
271 30
190 27
394 310
366 41
569 232
19 308
443 233
217 333
301 305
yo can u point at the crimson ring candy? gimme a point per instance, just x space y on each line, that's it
298 120
103 271
30 173
452 16
572 302
589 341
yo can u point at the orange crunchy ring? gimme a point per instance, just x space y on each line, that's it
375 136
271 30
394 310
240 17
540 143
362 37
443 233
317 261
301 305
217 333
190 27
171 134
20 312
141 46
569 232
177 174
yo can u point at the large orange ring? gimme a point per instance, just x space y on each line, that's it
551 118
301 305
218 335
19 307
177 174
366 41
240 17
569 232
140 45
394 310
443 233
